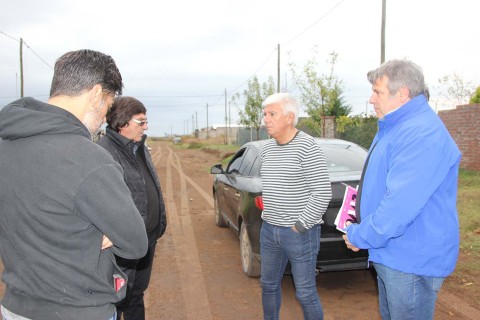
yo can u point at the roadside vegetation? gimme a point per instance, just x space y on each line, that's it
465 282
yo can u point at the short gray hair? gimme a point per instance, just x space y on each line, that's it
287 101
400 73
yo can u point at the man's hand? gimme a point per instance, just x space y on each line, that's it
106 243
349 245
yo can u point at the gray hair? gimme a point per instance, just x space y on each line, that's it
400 73
287 101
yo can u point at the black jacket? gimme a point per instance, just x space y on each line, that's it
59 194
121 149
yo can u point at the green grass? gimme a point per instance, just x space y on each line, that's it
468 205
224 152
464 280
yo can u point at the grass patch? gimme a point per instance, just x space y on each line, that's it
464 282
468 202
195 145
224 152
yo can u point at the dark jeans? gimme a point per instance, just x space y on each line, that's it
138 273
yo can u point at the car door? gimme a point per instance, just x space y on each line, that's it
229 187
238 175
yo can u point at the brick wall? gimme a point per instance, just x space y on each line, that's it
463 123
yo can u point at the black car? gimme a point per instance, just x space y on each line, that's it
237 193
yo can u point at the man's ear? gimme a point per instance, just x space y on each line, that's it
291 117
96 92
404 94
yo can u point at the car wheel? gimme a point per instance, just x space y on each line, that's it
218 216
250 263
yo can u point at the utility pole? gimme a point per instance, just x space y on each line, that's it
278 69
207 122
21 68
229 124
384 13
226 127
193 126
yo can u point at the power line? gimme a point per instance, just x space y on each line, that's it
286 43
261 66
9 36
220 96
38 56
314 23
181 96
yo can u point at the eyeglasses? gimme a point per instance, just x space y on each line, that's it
140 122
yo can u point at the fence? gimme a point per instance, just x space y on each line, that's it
463 123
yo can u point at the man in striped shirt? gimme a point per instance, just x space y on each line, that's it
296 193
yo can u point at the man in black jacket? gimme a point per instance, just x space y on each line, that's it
64 207
125 140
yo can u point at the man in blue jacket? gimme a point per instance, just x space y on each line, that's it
407 196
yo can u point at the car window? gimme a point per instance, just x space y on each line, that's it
243 161
235 163
249 157
344 157
255 171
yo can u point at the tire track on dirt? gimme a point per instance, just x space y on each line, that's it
188 262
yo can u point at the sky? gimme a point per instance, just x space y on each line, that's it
178 57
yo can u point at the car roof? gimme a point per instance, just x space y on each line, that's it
321 141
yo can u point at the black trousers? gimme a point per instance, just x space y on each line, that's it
138 273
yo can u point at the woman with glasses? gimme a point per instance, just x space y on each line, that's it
125 140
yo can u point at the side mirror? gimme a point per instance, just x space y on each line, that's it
217 169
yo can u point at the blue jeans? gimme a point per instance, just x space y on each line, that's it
278 245
405 296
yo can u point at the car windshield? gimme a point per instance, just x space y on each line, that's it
343 158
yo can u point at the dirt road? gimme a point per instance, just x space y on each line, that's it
197 272
197 268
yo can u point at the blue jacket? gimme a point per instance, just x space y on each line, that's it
408 209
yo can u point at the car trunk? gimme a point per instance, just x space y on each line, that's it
333 251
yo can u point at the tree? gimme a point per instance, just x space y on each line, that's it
256 93
321 93
454 90
476 96
358 129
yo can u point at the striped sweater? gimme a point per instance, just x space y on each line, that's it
296 186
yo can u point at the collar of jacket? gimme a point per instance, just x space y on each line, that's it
412 108
123 141
28 117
